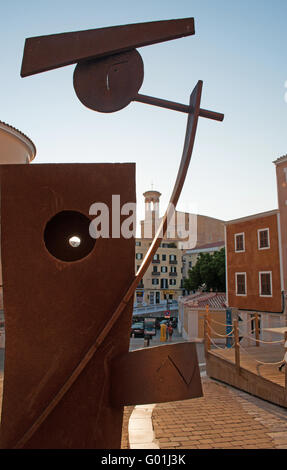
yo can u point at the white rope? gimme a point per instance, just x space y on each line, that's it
218 346
218 323
260 362
222 336
265 342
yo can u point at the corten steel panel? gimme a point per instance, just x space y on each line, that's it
54 310
159 374
57 50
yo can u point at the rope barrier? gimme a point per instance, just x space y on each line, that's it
262 341
256 360
218 346
218 323
222 336
242 322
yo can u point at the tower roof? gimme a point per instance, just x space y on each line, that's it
152 194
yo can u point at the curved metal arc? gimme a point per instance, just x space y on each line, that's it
184 164
191 127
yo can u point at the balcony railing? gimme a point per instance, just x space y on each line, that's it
172 274
149 309
156 261
172 261
155 273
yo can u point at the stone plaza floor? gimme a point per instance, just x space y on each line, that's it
224 418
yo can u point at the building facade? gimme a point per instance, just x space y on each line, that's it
191 314
254 275
162 281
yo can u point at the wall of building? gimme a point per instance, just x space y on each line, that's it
281 175
252 261
193 324
209 230
156 292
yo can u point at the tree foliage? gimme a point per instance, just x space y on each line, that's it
208 272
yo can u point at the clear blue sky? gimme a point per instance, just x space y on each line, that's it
239 51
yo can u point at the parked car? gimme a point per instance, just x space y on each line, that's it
137 329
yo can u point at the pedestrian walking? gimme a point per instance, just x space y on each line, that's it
170 331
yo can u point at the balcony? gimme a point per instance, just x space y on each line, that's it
155 273
172 274
156 261
172 261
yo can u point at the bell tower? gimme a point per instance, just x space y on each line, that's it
151 222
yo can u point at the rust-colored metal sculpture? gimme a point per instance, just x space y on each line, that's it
67 365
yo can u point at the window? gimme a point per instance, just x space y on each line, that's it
239 240
263 239
138 243
172 257
240 283
164 283
172 282
190 264
154 282
139 256
265 284
164 257
156 258
164 269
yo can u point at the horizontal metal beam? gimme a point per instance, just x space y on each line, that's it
49 52
177 106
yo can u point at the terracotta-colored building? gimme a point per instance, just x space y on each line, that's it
256 258
254 278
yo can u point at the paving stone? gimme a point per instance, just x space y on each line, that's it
224 418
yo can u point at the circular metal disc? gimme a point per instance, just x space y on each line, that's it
109 84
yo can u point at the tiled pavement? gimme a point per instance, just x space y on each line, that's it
224 418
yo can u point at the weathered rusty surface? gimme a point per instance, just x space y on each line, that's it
44 53
55 310
111 83
71 381
183 108
156 375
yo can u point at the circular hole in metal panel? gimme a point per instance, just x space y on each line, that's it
67 236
